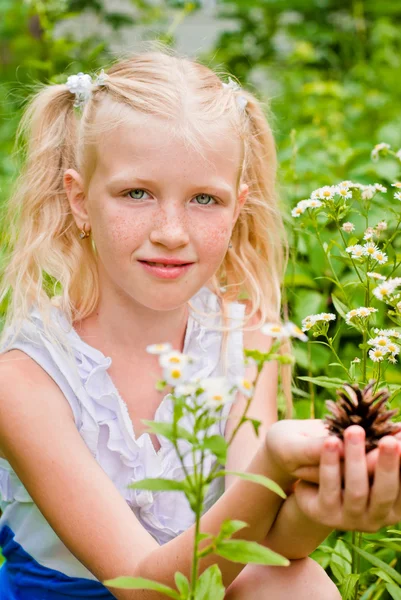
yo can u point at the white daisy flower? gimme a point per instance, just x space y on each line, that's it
348 227
361 312
356 251
370 248
294 331
383 290
388 332
397 195
391 358
377 354
175 374
380 256
368 192
173 358
380 188
393 348
217 392
374 275
396 184
245 386
297 211
344 192
159 348
369 233
311 320
381 226
379 148
381 341
186 389
275 330
356 360
327 192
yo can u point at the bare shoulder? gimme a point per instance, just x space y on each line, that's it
77 498
19 371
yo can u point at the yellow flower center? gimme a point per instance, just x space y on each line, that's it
218 398
176 374
247 384
174 359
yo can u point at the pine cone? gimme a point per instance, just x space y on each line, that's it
361 407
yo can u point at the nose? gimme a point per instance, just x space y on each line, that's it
170 227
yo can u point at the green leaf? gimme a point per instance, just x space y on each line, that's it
231 526
347 586
261 479
340 307
169 431
394 591
218 445
256 424
159 484
378 563
341 560
210 585
139 583
325 382
244 552
182 584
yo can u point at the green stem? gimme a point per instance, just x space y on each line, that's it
330 345
195 561
352 260
390 239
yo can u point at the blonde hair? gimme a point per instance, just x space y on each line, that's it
45 252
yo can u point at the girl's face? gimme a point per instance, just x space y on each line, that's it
151 197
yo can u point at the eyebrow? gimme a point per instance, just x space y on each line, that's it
124 178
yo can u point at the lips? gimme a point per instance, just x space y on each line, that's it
159 264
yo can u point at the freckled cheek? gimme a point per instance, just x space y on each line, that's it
122 232
213 239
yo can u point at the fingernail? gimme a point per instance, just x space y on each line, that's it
332 445
354 437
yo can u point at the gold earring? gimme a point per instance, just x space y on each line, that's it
84 233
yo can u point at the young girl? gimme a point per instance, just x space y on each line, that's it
147 198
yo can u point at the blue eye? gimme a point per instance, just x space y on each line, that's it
136 191
205 197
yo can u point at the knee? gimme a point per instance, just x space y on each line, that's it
309 576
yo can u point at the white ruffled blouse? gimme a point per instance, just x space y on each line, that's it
102 419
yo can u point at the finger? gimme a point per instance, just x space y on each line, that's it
386 479
309 474
307 497
330 495
356 476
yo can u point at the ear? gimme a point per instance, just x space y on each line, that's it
74 189
241 199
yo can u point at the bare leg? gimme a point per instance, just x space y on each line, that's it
304 579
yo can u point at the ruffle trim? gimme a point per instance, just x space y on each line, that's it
107 429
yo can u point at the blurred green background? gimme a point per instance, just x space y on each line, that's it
330 70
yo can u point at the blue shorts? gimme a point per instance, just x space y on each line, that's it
23 578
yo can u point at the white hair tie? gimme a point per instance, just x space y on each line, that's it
233 85
81 85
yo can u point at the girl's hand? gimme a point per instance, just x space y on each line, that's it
357 506
295 445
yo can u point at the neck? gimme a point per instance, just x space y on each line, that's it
126 331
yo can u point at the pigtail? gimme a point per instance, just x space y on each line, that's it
42 238
256 264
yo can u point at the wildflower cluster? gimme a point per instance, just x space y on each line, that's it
385 290
357 315
384 346
370 250
319 323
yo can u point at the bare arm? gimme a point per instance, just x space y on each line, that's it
40 440
293 534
